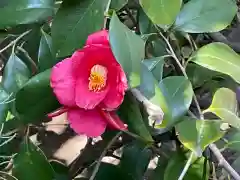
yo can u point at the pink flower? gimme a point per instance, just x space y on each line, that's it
91 85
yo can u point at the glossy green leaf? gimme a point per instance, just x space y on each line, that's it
36 98
24 11
161 11
30 163
174 96
128 48
60 170
196 134
199 16
74 21
145 24
219 57
199 75
4 104
158 172
234 141
224 105
45 54
196 171
15 74
118 4
109 172
134 167
130 113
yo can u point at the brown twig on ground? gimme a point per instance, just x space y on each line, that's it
223 163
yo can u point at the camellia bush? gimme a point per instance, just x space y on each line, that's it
153 84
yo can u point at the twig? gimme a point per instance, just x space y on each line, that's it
223 163
14 41
106 14
188 164
102 155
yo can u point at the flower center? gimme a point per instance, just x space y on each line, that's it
97 78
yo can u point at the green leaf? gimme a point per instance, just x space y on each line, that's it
60 170
161 11
45 54
155 65
130 113
158 172
199 16
36 98
118 4
134 167
234 141
74 21
109 172
4 106
219 57
30 163
196 134
174 97
199 75
24 11
145 24
196 171
224 105
15 74
128 48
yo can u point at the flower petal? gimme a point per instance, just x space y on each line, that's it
113 120
89 122
84 97
116 92
63 82
100 37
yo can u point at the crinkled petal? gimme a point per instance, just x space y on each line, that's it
116 92
113 120
88 122
63 82
100 37
84 97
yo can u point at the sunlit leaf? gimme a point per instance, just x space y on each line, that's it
128 48
224 105
161 11
219 57
36 98
30 163
199 16
174 96
24 11
74 21
196 134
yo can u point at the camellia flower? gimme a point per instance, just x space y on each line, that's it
91 85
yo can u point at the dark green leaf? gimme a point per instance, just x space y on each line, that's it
36 98
109 172
161 11
145 24
45 54
15 74
118 4
24 11
226 62
199 16
224 105
74 21
4 106
174 97
130 113
131 166
196 170
30 163
60 170
158 172
196 135
128 48
234 141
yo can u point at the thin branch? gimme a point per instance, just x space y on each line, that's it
223 163
188 164
14 41
104 154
